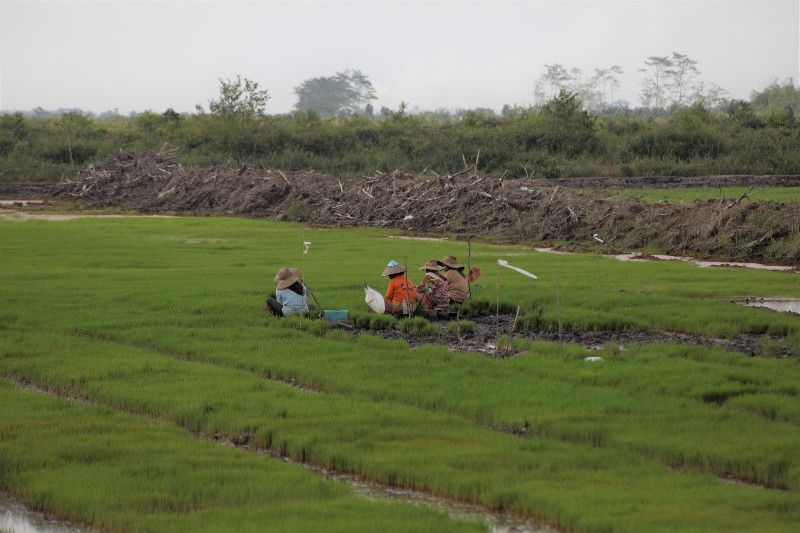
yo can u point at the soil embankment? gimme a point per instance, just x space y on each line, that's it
463 203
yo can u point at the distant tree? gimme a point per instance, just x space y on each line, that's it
386 112
710 96
607 80
556 78
680 76
170 115
369 110
347 92
777 96
238 98
233 115
655 85
73 125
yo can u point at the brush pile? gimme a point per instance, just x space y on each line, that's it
463 203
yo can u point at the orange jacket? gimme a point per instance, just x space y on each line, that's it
400 289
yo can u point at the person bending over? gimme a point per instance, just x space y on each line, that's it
457 285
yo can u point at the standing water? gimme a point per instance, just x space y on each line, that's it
16 518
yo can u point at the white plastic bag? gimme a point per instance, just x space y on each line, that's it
374 300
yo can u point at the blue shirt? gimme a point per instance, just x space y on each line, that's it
293 303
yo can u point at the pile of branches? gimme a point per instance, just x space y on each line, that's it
464 202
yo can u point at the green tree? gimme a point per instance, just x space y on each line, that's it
235 114
347 92
72 126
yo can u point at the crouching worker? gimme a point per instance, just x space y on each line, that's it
291 295
457 285
400 294
432 292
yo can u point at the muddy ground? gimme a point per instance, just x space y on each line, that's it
483 338
465 203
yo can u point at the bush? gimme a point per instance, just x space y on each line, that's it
680 145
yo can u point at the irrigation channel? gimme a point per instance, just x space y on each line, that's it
17 518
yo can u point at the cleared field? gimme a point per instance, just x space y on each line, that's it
689 194
161 320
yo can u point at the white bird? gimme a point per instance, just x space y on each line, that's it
408 217
306 246
595 238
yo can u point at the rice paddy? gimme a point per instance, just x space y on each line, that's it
158 326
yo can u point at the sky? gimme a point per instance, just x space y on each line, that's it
154 55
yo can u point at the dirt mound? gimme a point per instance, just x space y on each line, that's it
464 203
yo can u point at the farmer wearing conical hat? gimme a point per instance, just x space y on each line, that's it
432 291
400 293
457 286
291 295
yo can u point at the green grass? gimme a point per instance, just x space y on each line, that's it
689 194
163 318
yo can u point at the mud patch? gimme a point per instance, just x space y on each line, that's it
781 305
483 338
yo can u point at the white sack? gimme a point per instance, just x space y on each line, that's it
374 300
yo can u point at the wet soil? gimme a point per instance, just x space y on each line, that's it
483 338
464 203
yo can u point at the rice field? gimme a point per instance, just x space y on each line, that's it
149 337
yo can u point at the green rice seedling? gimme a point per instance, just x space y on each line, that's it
382 322
150 316
464 327
417 326
360 320
110 470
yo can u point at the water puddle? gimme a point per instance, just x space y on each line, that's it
781 305
19 216
16 518
699 263
20 203
409 238
495 523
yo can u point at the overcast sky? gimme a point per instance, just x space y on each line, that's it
158 54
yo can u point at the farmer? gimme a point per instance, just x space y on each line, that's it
457 287
400 293
291 295
432 292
